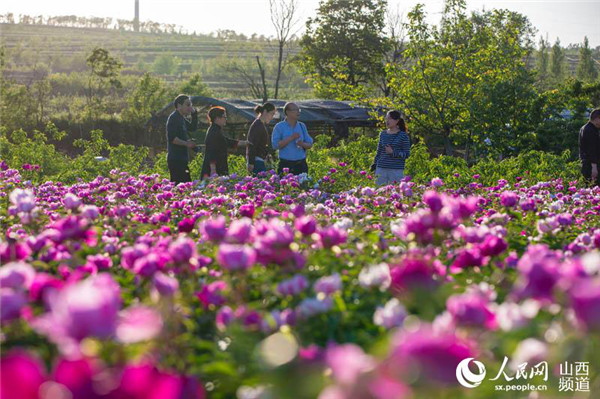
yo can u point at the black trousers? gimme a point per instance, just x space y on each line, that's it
296 167
586 171
179 170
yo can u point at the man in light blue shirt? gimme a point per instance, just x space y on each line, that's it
291 138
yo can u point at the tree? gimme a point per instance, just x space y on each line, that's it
586 68
104 73
164 64
542 60
349 32
557 62
283 18
149 96
194 87
466 79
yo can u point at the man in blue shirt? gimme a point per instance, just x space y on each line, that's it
178 140
291 138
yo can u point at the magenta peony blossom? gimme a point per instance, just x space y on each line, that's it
14 251
306 225
210 294
22 375
429 355
509 199
240 231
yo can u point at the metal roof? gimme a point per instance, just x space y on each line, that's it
313 111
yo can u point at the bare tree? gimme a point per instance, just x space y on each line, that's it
284 19
397 44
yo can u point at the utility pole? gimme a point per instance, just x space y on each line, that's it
136 19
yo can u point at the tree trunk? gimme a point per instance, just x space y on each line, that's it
265 94
448 149
279 68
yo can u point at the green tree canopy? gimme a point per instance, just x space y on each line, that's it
348 34
586 68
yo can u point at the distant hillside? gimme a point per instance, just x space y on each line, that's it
64 49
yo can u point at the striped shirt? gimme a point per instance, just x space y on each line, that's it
400 144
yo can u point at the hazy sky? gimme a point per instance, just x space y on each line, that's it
568 20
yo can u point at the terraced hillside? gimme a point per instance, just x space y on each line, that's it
172 56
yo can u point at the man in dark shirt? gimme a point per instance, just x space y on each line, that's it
589 147
178 140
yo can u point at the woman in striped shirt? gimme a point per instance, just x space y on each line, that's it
392 151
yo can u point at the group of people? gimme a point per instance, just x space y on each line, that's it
290 138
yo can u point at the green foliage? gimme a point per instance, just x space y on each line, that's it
586 68
165 64
149 96
194 86
557 62
532 166
358 43
467 81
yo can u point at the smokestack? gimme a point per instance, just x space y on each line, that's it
136 20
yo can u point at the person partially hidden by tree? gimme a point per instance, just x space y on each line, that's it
589 148
217 145
178 140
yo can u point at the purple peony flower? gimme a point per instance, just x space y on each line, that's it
164 284
236 257
328 284
471 309
293 286
585 300
306 225
214 229
509 199
88 308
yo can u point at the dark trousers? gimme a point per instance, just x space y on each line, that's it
179 170
296 167
586 171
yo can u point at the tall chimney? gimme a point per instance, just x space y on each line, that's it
136 20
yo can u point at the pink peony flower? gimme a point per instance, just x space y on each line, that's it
138 323
348 362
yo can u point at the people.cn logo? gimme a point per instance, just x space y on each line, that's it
466 377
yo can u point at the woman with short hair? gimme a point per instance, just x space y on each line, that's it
216 144
393 150
258 138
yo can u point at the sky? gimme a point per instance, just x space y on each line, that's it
569 21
